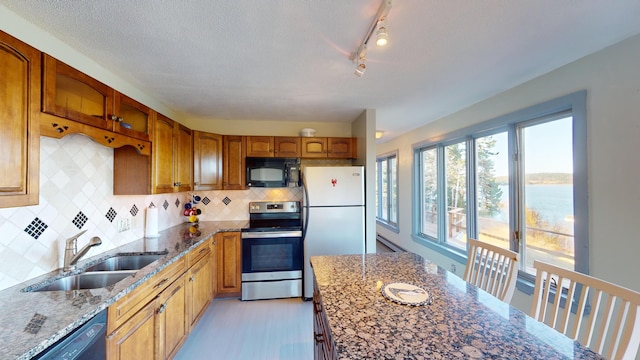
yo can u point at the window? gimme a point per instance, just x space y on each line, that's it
387 190
518 181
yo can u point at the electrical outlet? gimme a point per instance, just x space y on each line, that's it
124 224
453 268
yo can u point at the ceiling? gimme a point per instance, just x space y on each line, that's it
290 59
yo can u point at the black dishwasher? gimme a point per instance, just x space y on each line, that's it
88 342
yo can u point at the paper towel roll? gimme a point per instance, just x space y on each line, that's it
151 228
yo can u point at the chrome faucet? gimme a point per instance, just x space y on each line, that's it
71 253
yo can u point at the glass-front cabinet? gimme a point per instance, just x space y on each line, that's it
71 94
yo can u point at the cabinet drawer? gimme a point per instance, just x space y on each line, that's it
125 308
198 253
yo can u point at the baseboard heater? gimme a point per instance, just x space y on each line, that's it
389 244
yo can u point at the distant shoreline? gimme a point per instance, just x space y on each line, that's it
542 179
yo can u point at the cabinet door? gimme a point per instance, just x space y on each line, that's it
260 146
183 158
213 260
172 324
135 339
132 118
341 148
229 263
287 147
314 147
199 290
234 164
71 94
162 172
207 161
19 111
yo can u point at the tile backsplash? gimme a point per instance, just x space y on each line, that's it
76 194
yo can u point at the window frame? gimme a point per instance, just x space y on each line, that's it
391 225
575 103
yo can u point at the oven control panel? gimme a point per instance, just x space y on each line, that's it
270 206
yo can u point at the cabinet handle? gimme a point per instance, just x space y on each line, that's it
177 184
161 282
319 338
162 308
192 278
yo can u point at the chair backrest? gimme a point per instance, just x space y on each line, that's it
492 268
605 315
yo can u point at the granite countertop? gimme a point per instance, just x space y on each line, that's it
460 322
32 321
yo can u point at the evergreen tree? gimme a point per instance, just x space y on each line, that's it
489 193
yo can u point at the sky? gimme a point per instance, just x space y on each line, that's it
548 148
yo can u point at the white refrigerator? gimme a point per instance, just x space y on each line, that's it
333 213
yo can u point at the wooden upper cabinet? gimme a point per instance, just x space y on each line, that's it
287 146
333 147
207 161
341 148
162 150
183 163
273 146
19 117
234 164
71 94
74 95
314 147
172 168
132 117
259 146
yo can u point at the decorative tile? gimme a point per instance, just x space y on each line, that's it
111 214
226 200
165 205
36 228
134 210
177 202
206 200
80 220
35 324
152 204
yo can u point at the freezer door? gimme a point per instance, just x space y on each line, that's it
332 231
334 186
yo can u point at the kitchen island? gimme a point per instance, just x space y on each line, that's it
353 320
32 321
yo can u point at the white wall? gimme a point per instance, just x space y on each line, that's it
612 80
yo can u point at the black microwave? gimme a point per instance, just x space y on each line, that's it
273 172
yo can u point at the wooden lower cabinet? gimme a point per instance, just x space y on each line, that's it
323 346
171 320
199 293
229 272
135 339
154 320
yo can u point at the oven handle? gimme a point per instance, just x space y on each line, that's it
271 234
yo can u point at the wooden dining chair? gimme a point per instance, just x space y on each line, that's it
492 268
605 315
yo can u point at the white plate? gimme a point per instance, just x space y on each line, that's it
406 294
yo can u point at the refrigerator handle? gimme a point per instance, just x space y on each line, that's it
305 207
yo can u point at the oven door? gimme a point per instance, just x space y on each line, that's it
271 265
271 251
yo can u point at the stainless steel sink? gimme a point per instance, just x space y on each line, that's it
125 262
87 280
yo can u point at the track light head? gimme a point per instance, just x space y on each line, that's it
360 69
382 36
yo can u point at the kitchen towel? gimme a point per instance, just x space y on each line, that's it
151 228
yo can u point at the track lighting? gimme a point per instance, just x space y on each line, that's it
382 37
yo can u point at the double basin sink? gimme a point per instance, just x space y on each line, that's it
102 274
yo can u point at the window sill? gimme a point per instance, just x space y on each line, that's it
453 253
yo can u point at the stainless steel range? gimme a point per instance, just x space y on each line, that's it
272 253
